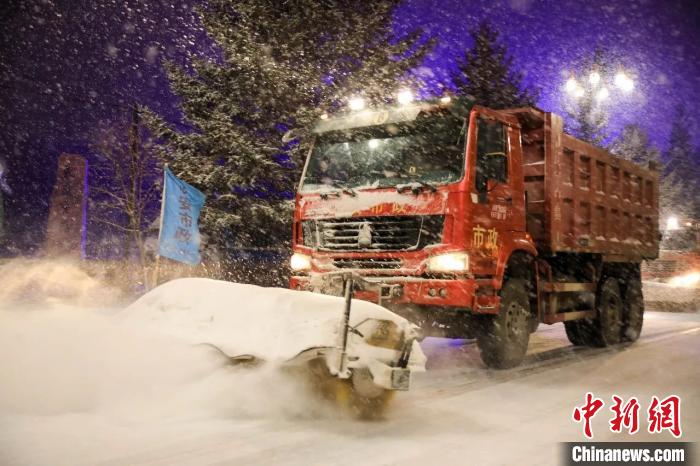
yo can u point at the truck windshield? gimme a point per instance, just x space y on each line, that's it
429 149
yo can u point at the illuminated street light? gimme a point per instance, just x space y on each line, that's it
405 96
597 84
623 82
602 94
672 223
446 99
356 103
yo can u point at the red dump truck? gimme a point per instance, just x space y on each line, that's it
474 222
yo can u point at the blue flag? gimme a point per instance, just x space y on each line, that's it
179 233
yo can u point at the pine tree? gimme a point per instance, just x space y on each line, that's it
486 73
282 64
633 145
681 161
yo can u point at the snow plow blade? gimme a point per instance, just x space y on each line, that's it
352 353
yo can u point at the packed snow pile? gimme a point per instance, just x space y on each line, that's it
86 364
274 324
671 297
49 283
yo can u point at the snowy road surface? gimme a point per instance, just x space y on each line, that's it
457 413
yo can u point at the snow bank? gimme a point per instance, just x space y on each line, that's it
78 364
50 283
271 323
663 296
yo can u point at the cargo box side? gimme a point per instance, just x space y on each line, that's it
581 198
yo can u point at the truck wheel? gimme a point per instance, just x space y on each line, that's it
633 310
503 338
573 333
607 326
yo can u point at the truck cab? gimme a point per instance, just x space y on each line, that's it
425 197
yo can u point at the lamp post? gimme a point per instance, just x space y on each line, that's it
597 85
589 94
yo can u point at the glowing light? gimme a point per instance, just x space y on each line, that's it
324 116
450 262
578 92
446 99
300 262
571 85
602 94
672 223
689 280
594 78
623 82
356 103
373 143
405 96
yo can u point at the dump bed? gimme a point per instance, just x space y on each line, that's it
581 198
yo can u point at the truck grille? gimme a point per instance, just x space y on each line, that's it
373 233
367 263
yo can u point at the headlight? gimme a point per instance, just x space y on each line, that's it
300 262
450 262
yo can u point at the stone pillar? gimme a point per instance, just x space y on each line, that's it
66 228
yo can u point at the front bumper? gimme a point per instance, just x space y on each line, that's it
461 293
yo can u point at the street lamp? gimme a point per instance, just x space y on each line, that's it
623 82
602 94
571 85
356 103
597 85
590 92
405 96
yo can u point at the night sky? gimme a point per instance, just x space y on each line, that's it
66 65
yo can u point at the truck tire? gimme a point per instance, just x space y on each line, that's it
633 317
573 333
606 327
503 338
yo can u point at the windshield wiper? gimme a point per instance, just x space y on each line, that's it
430 186
344 188
325 194
416 187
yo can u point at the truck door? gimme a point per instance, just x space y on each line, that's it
497 186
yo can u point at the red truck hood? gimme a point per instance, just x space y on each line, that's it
372 203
